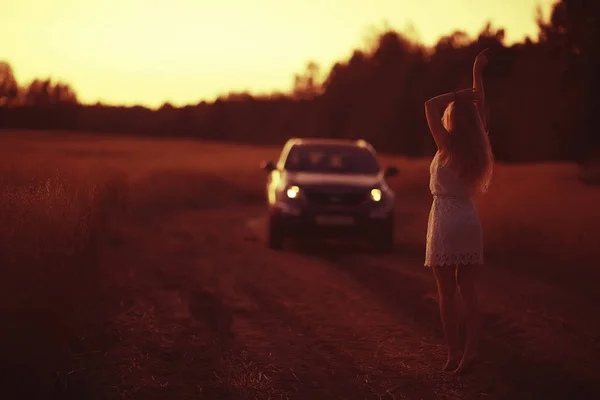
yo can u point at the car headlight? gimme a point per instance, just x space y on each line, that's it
292 192
376 195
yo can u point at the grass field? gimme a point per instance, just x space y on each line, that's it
72 207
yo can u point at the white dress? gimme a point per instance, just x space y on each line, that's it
454 231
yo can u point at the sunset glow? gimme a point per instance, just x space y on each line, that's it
183 51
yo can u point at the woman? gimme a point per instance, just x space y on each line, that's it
461 168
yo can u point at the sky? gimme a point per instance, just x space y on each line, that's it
149 52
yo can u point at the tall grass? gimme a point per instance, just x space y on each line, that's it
51 236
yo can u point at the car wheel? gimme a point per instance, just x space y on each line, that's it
275 237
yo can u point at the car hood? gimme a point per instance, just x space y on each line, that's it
318 179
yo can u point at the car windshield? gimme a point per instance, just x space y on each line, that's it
331 158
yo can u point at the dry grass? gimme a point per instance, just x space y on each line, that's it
247 379
62 206
543 210
51 237
56 227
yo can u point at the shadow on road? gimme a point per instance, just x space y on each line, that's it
320 350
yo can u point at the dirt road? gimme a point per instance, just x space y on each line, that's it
215 314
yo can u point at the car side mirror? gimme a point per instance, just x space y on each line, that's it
267 166
391 171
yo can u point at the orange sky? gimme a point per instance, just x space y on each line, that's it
151 51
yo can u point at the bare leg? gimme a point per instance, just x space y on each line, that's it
445 277
467 282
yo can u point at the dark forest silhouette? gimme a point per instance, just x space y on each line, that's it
542 94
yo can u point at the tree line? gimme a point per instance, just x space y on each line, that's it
541 96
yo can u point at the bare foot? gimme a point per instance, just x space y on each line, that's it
466 365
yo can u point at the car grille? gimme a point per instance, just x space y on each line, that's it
320 197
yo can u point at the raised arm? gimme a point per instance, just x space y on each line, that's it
434 110
478 67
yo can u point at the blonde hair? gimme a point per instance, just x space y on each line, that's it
469 150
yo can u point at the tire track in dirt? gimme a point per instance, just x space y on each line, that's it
321 371
334 358
173 332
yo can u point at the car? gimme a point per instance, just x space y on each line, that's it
329 188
